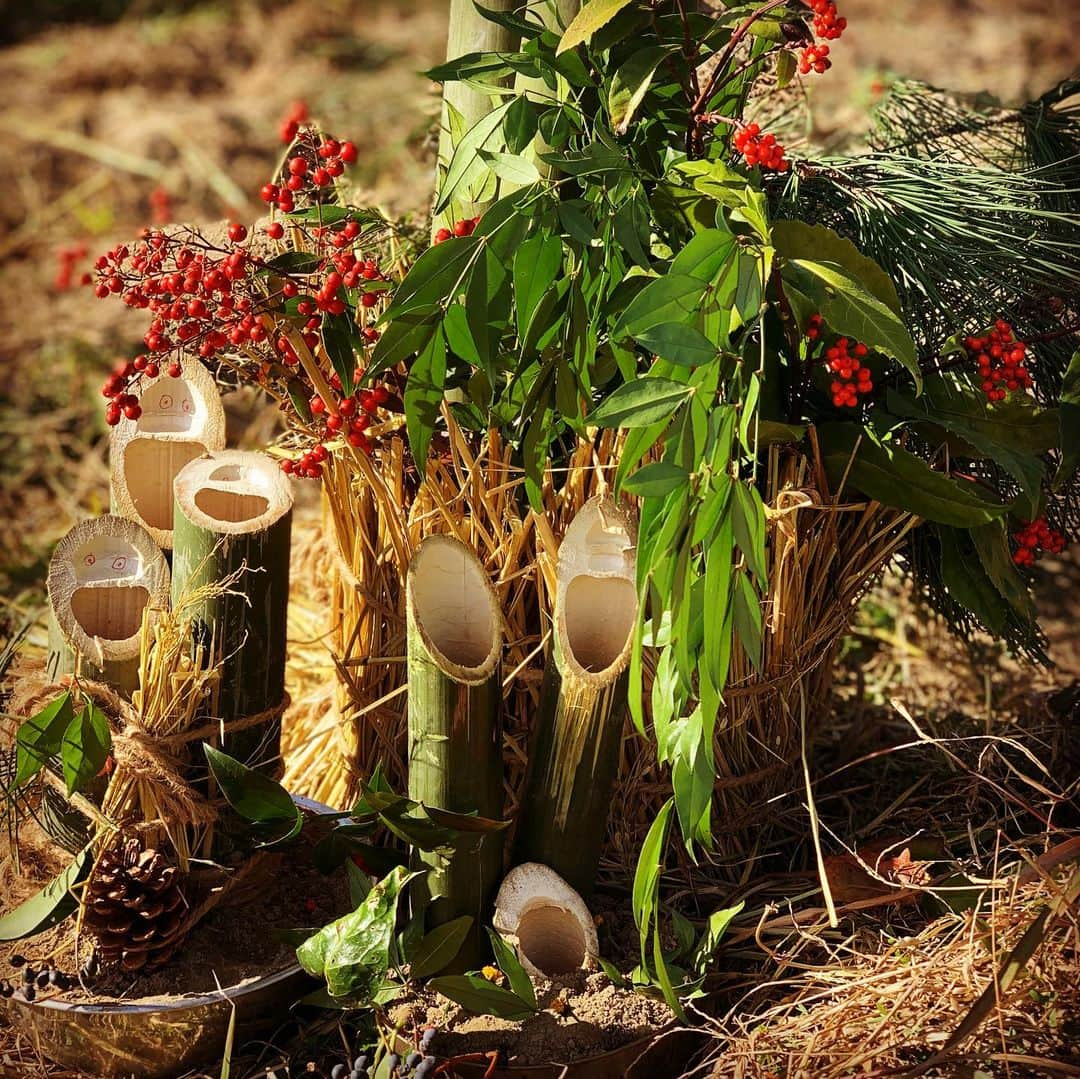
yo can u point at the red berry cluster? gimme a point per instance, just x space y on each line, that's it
852 377
349 417
758 149
1036 536
465 227
67 259
827 23
1001 361
814 58
116 386
296 114
316 166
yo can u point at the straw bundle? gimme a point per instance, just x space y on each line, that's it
823 551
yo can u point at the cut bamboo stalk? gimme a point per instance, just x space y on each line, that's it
182 418
546 922
455 745
468 32
103 575
232 523
574 751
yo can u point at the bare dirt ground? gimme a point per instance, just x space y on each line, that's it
98 118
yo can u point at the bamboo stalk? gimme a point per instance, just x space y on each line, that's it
455 745
468 32
103 574
233 519
574 753
182 418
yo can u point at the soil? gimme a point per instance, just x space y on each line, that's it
232 945
582 1015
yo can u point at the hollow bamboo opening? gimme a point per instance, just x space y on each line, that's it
551 938
112 612
233 506
599 618
453 605
150 466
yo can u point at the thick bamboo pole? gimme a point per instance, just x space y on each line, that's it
182 418
468 31
102 576
232 523
574 750
455 746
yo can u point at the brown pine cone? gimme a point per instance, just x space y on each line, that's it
135 908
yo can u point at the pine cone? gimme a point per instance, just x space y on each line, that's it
135 908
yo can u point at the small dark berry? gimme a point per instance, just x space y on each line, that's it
17 960
42 979
28 976
6 990
29 994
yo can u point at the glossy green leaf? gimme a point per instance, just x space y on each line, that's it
340 340
481 997
640 403
513 168
508 962
671 298
423 396
967 582
849 308
519 125
705 255
49 906
466 160
86 746
536 265
255 796
352 954
656 479
895 477
439 947
593 15
677 343
715 929
747 616
748 523
402 339
39 738
436 278
992 544
631 82
650 864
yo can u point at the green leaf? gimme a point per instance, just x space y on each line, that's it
992 543
785 68
49 906
536 265
255 796
593 15
86 746
894 477
423 396
798 240
439 947
39 738
671 298
465 160
967 582
519 125
508 962
339 337
747 615
748 522
706 254
678 343
353 954
719 920
1069 419
640 403
295 262
403 338
656 479
481 997
434 277
848 307
630 84
512 168
650 864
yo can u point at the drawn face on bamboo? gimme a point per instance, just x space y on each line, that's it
109 598
172 408
234 493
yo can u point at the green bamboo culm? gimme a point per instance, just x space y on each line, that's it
463 106
455 638
574 750
232 524
103 575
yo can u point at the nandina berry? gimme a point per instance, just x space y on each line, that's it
851 378
320 177
269 192
112 413
813 327
275 230
174 370
758 149
440 236
1036 536
814 58
348 152
1000 361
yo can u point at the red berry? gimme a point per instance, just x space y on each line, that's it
275 230
237 232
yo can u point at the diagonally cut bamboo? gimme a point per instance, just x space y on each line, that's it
232 523
455 746
103 574
182 418
574 752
